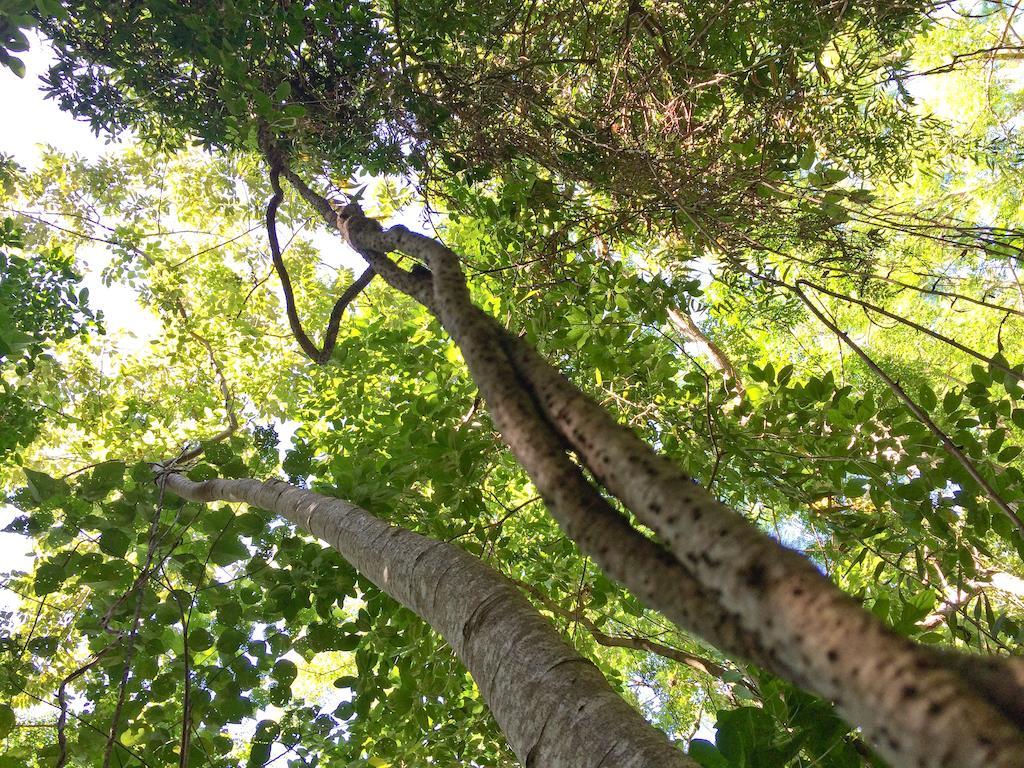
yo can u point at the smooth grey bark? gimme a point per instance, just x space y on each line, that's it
554 707
685 326
716 575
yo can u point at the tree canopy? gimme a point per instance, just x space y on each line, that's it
779 241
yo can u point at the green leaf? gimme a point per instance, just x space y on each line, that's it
200 640
49 577
114 542
228 549
347 642
18 42
282 92
832 176
742 733
259 754
284 672
51 8
951 401
16 65
915 490
927 398
44 646
1017 417
807 158
42 486
105 478
231 640
995 440
217 453
7 720
1009 453
167 613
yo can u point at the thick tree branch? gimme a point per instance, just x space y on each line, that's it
1000 678
769 599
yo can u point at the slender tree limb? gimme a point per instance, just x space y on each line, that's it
951 448
685 326
62 703
318 355
692 660
915 326
902 395
193 452
145 573
87 724
1001 52
953 296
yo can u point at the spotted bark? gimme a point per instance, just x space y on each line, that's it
715 574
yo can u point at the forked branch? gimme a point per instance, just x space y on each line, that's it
716 574
322 354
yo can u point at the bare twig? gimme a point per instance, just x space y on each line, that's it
692 660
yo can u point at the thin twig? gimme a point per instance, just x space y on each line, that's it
691 660
918 412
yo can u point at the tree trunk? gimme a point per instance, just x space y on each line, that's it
716 574
554 706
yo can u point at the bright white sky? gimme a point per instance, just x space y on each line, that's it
33 122
39 122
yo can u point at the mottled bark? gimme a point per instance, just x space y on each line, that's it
1001 678
716 575
553 706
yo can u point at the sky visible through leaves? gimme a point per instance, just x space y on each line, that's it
809 303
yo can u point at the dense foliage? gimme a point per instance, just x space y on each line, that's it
41 304
845 239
